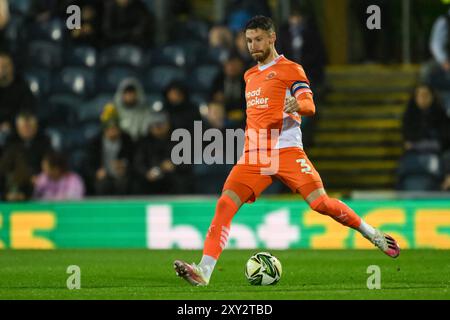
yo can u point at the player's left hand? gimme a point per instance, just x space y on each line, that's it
291 105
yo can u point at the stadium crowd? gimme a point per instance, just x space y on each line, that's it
425 164
90 111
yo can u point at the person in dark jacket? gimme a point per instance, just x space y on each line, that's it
182 112
110 157
127 21
229 89
15 95
426 126
300 40
21 159
153 164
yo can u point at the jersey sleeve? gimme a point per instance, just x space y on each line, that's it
296 81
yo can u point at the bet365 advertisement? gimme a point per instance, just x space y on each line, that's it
183 224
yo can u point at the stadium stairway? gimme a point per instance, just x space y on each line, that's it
357 138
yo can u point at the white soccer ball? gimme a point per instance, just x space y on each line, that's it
263 269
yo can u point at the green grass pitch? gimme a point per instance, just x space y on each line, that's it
145 274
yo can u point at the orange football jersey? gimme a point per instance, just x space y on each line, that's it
267 88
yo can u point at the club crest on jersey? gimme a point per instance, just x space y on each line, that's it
271 75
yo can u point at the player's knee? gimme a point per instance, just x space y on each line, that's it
226 203
320 205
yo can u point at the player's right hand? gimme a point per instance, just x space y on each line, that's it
291 105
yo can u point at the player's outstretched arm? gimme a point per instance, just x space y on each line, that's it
303 105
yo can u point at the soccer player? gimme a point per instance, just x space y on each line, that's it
277 95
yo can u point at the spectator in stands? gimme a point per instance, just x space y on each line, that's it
15 95
91 21
110 157
22 157
240 11
132 108
209 177
127 21
300 40
220 37
376 45
240 44
182 112
229 89
56 181
42 11
436 73
153 162
4 19
446 163
426 128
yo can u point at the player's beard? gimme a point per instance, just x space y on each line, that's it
261 57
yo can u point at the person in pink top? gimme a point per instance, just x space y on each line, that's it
56 182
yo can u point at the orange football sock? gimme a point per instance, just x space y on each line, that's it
337 210
219 230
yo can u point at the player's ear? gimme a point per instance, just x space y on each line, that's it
273 37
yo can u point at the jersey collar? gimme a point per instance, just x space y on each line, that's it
271 63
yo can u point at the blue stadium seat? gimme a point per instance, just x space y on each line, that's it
154 98
56 138
159 77
53 30
419 171
84 56
60 110
44 54
20 6
123 55
150 5
39 80
192 30
203 77
174 55
112 76
15 28
215 55
91 110
75 80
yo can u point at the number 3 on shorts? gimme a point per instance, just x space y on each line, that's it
306 168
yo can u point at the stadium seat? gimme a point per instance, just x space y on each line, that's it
174 55
159 77
56 138
154 98
84 56
150 5
123 55
39 80
203 77
75 80
215 55
111 77
419 171
52 30
20 6
14 30
44 54
191 30
91 110
60 110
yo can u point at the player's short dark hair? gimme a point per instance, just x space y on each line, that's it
260 22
